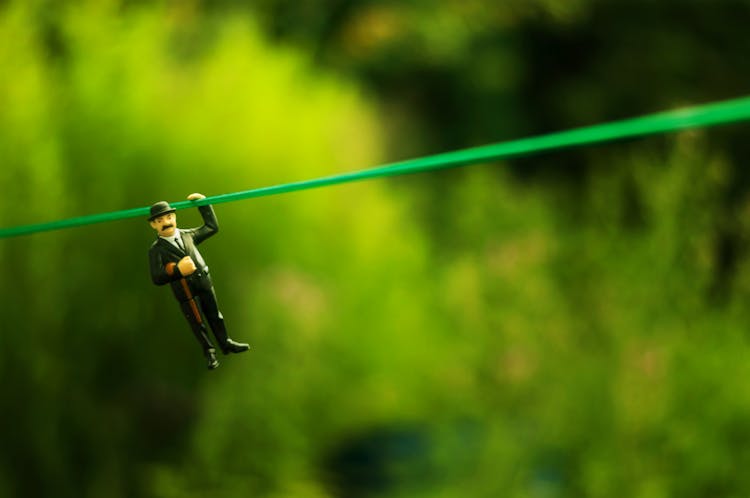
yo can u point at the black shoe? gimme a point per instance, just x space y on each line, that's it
234 347
211 357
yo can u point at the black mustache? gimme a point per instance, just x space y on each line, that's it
166 226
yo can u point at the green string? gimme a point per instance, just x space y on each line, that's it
700 116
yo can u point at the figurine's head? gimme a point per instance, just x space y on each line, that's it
163 219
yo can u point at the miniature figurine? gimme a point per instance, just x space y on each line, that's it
174 259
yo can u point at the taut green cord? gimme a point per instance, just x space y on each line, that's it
700 116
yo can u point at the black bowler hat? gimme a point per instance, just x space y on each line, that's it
160 209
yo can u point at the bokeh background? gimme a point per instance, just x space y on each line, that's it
573 324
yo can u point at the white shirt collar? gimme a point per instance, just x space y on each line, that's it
173 238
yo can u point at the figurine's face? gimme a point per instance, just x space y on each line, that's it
165 225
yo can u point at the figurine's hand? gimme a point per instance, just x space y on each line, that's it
186 266
196 197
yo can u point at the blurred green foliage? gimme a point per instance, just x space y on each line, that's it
568 325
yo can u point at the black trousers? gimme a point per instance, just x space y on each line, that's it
204 303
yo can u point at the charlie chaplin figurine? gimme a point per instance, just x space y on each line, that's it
174 259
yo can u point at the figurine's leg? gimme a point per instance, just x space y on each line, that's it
190 310
216 320
214 317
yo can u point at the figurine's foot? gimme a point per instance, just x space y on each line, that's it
211 357
234 347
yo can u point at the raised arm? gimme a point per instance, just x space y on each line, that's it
210 223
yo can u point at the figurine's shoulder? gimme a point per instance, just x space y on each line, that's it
154 245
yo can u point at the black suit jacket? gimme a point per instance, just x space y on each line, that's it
163 257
